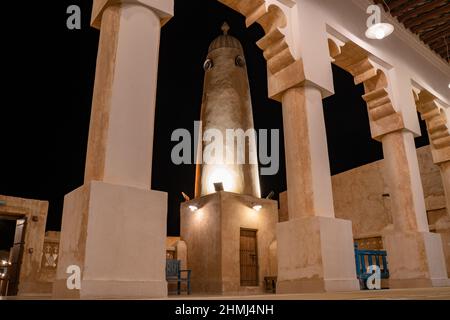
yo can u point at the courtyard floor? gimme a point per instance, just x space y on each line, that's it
394 294
397 294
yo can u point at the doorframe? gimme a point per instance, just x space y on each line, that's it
35 214
16 218
257 256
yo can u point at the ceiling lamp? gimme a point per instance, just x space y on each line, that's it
379 31
375 28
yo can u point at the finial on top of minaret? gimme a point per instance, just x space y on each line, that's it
225 28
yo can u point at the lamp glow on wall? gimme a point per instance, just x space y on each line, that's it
220 175
257 207
375 28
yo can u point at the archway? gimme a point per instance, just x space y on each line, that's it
439 135
400 168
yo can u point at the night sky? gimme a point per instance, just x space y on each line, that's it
49 75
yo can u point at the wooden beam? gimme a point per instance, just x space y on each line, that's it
436 23
421 10
441 45
435 14
407 5
396 4
434 40
435 32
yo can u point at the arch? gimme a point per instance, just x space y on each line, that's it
436 121
382 115
275 48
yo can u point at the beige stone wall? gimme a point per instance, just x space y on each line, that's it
358 195
212 235
35 213
201 232
432 187
171 247
49 260
362 196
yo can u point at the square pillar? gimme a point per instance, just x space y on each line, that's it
315 250
443 224
116 235
415 255
444 168
114 226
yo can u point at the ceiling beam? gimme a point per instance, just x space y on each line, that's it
405 5
436 32
435 14
421 10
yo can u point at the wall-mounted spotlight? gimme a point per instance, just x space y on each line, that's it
218 186
257 207
270 195
193 208
2 203
185 196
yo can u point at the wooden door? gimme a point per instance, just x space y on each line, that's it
249 258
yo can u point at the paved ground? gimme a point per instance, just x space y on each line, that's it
398 294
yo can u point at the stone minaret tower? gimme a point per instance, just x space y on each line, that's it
227 105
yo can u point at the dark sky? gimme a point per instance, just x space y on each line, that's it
50 70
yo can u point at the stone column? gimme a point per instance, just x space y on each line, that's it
438 131
444 168
443 224
315 250
415 255
114 226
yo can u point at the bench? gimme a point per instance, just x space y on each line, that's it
366 258
174 274
270 284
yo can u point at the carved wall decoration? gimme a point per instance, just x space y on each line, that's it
355 60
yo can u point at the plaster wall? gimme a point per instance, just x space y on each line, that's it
362 196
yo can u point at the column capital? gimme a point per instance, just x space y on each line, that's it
163 8
441 156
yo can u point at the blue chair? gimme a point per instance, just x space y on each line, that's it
174 274
373 257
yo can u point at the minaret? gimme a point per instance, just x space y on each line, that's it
227 105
